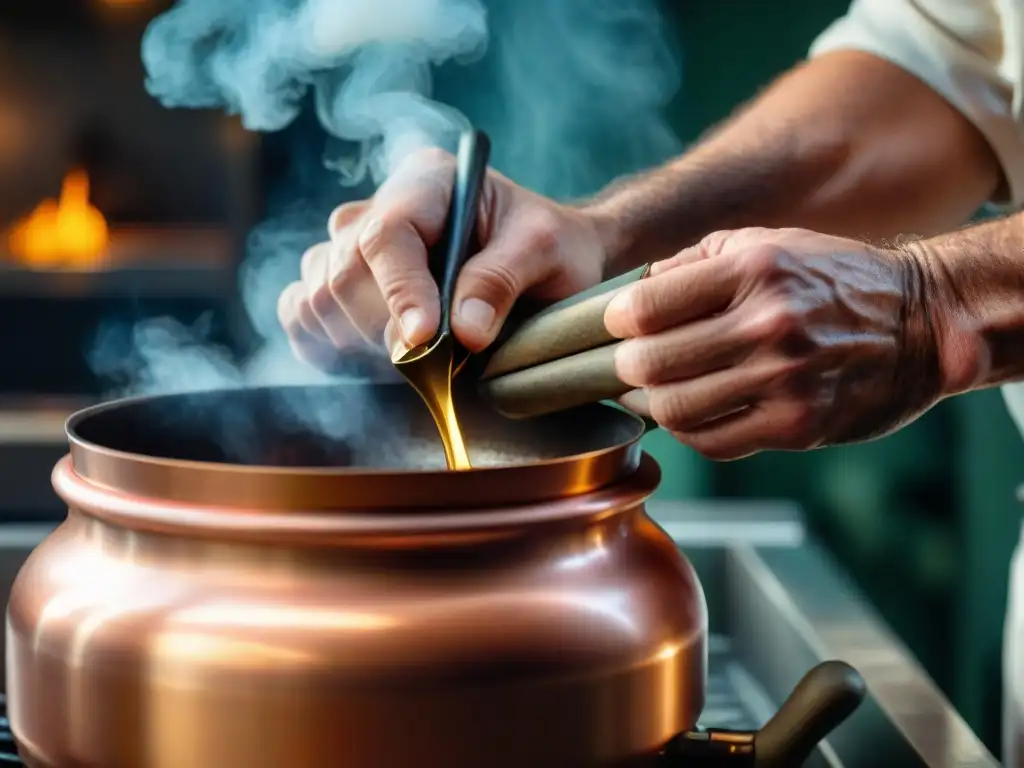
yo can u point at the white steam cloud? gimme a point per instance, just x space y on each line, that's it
367 63
572 93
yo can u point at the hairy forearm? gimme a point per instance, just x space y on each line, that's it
975 280
845 144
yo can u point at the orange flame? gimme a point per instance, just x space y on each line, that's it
68 232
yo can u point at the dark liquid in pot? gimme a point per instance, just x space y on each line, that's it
386 427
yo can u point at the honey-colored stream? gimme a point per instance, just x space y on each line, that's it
429 369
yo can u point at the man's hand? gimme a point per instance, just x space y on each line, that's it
369 287
762 339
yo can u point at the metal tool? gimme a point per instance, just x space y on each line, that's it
559 358
430 367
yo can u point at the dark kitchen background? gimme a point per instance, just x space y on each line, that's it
114 209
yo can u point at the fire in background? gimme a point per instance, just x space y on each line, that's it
66 233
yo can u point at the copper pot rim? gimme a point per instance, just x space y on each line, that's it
312 526
326 488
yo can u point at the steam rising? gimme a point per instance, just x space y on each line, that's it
571 91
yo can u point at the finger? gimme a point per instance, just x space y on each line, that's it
686 256
637 402
331 322
407 218
354 292
684 352
676 296
360 362
721 243
726 241
397 257
345 216
288 309
308 347
293 310
491 281
687 405
770 425
393 341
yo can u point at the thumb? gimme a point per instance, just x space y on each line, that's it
491 282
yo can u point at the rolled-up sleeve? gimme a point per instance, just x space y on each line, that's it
965 51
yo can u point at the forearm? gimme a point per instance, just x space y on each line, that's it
846 144
975 292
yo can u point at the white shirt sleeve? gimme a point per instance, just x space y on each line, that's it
964 49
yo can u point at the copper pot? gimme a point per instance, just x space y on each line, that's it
223 594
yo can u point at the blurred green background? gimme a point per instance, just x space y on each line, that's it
925 520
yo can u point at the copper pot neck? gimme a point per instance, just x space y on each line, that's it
601 463
272 524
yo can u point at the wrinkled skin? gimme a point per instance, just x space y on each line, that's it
778 339
752 340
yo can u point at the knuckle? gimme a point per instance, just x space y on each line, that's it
543 231
646 308
388 227
308 322
311 262
287 305
405 291
665 410
345 215
425 163
764 260
430 156
322 301
347 270
778 320
497 281
785 374
714 243
782 322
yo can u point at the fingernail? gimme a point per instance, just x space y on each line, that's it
393 341
477 313
398 350
412 322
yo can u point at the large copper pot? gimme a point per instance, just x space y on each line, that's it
223 595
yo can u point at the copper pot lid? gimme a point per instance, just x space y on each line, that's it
351 445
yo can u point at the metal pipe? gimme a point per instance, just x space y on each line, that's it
560 357
586 377
573 325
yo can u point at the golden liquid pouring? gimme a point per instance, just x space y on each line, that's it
430 369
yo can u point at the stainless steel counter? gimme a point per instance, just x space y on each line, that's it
778 606
32 439
785 606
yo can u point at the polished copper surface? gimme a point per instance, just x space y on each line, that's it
514 462
156 633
